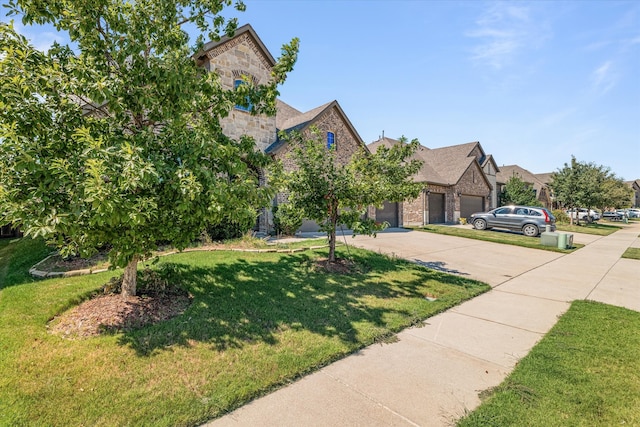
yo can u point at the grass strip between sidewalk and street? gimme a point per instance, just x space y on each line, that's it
257 321
584 372
504 237
631 253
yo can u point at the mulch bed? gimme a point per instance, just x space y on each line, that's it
113 313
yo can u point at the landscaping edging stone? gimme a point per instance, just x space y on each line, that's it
33 271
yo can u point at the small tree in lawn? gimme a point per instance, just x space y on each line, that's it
330 193
518 192
565 185
117 141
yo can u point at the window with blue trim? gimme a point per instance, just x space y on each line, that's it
248 106
331 140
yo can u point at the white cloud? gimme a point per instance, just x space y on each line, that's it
603 78
504 30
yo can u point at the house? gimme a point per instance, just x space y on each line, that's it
245 56
459 180
635 186
538 182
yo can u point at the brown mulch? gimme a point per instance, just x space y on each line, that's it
113 313
58 263
340 266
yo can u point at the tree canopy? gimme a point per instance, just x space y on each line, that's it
518 192
332 193
116 140
587 185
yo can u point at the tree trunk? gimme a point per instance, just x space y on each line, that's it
332 235
130 279
332 245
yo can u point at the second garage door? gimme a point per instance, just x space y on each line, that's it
471 204
389 213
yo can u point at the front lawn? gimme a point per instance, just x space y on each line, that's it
584 372
596 228
257 321
496 236
17 256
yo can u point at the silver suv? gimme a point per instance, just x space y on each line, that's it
530 220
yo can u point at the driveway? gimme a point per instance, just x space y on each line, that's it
492 263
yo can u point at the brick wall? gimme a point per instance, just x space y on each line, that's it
330 121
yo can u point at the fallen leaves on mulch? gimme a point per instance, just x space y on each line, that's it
114 313
340 266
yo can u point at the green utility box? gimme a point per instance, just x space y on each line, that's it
565 240
549 239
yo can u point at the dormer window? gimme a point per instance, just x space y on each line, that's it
237 83
331 140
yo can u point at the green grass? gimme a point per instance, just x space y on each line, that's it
495 236
17 256
593 228
584 372
631 253
257 321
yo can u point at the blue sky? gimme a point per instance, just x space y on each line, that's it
534 82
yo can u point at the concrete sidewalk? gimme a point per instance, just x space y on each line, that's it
433 374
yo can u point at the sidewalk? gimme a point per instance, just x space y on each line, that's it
433 374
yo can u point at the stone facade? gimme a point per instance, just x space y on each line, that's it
241 57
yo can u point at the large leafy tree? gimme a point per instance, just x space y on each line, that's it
330 192
587 185
116 140
518 192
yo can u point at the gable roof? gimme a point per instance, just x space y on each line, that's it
441 166
288 119
214 48
453 161
506 172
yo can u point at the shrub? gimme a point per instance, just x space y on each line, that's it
230 229
561 216
286 220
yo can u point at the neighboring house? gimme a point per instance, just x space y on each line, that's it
539 182
459 180
635 186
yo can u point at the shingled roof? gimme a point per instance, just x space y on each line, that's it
288 119
442 166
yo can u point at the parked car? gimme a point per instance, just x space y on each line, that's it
634 213
582 214
530 220
612 215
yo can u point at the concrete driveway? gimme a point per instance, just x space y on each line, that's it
488 262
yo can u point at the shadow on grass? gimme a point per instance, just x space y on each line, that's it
17 256
241 302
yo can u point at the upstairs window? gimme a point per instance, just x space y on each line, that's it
237 83
331 140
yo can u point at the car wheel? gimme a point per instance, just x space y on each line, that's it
530 230
480 224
